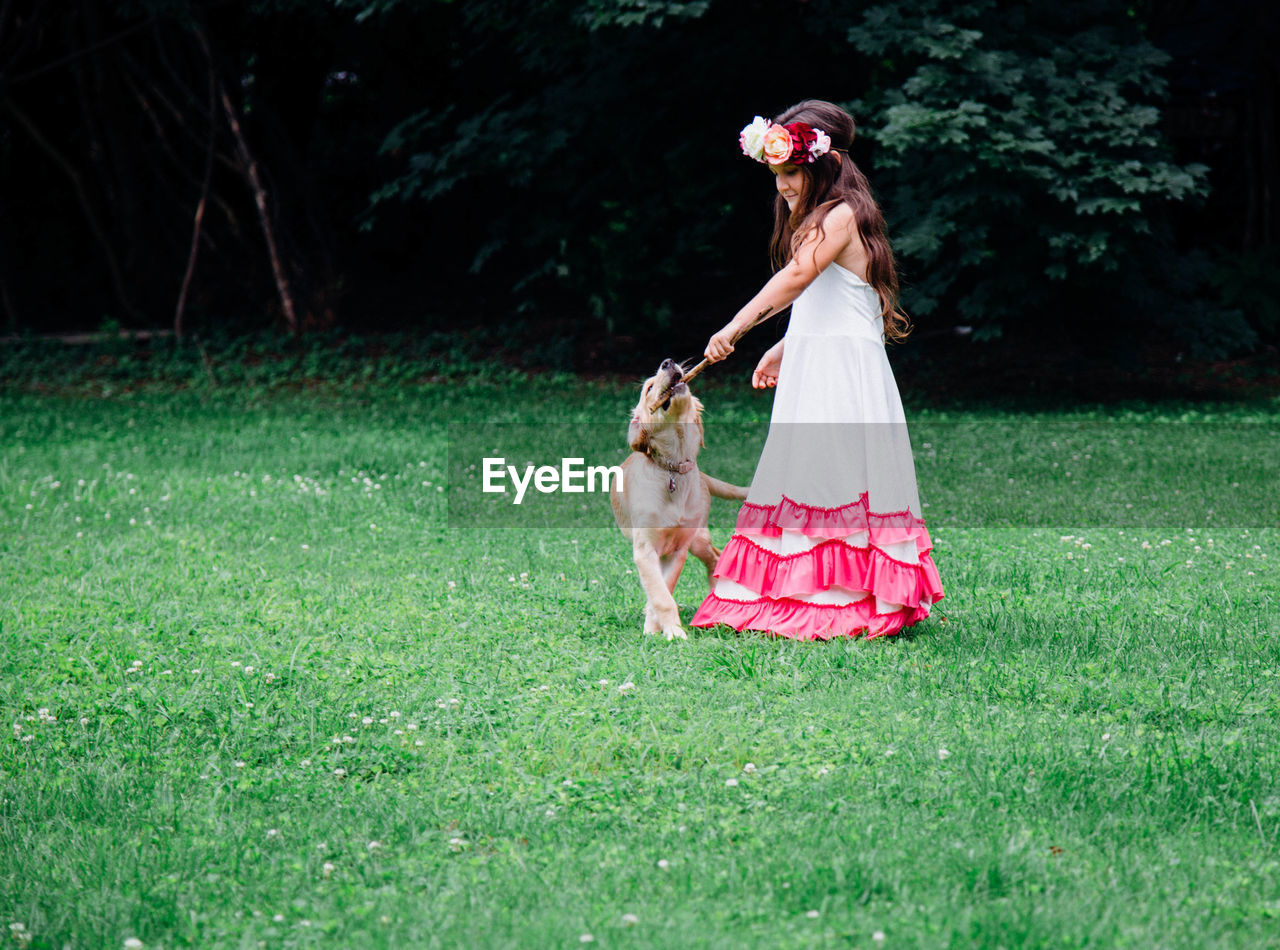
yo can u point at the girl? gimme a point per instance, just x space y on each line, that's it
830 541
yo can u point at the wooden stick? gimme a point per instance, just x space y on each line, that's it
706 362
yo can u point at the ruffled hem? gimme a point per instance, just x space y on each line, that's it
799 620
832 563
883 528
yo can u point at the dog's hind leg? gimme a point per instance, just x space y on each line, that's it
661 611
705 551
671 568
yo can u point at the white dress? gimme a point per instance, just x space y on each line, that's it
830 541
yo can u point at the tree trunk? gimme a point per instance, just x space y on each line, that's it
179 312
249 168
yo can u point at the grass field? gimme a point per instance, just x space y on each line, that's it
270 686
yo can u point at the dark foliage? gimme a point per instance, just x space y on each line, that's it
568 169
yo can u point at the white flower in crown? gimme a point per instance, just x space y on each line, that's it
751 138
821 144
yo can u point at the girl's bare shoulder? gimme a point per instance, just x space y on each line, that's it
841 216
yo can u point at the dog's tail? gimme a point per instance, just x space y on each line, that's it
723 489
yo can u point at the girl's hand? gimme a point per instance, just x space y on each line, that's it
720 345
766 372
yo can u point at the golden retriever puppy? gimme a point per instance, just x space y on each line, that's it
663 503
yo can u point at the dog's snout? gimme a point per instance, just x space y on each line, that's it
667 365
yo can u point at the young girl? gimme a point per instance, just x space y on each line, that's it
830 541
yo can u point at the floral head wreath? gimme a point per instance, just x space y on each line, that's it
797 143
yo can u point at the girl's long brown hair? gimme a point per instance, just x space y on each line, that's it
829 181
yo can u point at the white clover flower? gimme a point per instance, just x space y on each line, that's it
749 768
367 720
278 918
586 938
731 782
273 832
339 772
327 869
664 864
374 845
630 920
626 687
812 914
878 936
132 942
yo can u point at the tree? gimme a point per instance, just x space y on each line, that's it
1022 164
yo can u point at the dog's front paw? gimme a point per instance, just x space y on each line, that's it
675 633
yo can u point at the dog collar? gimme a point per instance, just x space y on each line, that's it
681 468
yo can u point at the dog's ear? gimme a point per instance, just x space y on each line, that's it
637 435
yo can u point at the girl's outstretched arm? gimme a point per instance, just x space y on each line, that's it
814 255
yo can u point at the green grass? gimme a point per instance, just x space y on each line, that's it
264 645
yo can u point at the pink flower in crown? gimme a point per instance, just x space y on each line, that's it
821 144
778 145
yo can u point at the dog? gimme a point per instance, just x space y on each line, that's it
664 499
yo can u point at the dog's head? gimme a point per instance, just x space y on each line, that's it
679 409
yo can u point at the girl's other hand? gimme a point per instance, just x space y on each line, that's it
766 372
719 346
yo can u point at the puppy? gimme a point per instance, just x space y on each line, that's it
664 501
